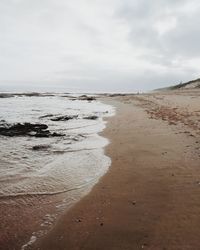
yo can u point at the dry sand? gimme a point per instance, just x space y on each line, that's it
150 197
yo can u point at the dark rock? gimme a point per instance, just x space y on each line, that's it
41 147
57 134
64 118
26 129
73 98
116 95
91 117
35 94
43 134
46 116
5 95
86 98
81 98
32 94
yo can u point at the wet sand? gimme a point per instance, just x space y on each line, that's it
149 198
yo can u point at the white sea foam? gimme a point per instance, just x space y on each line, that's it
71 164
29 243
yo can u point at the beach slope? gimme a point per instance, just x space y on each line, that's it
149 198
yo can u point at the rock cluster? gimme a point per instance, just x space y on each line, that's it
26 129
64 118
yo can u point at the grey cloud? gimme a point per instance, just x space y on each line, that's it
98 45
141 17
185 40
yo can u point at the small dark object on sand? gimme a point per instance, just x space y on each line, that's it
78 220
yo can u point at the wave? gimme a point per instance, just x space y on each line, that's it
32 194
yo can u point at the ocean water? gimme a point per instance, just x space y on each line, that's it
69 164
65 163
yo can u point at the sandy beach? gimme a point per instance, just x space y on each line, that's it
99 125
149 198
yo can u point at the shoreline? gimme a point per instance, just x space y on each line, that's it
149 198
70 164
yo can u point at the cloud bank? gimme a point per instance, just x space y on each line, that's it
98 45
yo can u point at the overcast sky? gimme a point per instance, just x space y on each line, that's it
98 45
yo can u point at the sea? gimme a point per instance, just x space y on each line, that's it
69 164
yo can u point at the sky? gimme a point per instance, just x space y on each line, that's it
98 45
